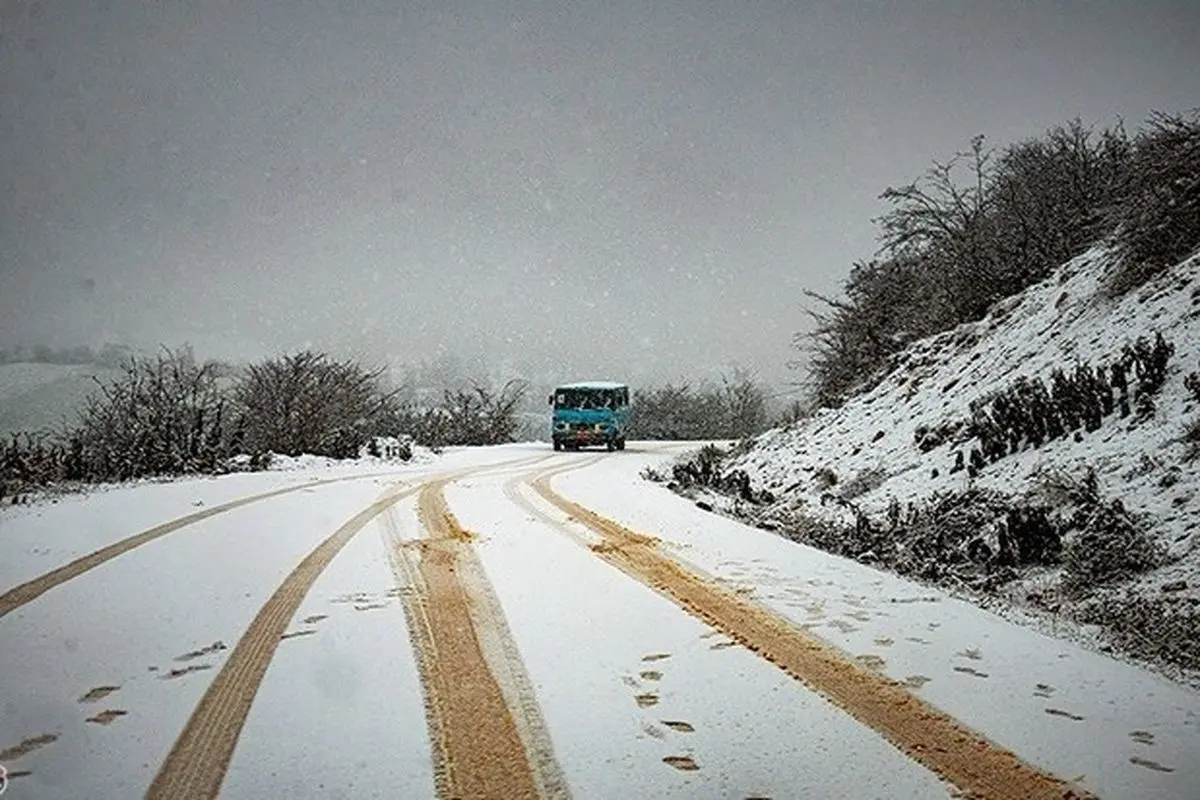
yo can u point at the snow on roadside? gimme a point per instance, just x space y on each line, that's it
1057 705
866 451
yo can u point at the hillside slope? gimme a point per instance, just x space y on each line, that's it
891 476
37 396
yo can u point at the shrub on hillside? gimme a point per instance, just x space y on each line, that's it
1156 221
1109 546
1102 542
1030 413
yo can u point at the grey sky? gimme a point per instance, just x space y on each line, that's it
595 188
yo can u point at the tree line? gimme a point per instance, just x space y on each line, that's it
988 223
171 414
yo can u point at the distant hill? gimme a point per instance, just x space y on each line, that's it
36 396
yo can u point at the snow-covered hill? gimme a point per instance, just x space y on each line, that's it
37 396
909 439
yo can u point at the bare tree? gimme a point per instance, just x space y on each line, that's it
309 403
163 416
1157 220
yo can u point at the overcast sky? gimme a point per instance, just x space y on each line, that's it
597 189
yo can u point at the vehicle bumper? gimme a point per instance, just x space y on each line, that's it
584 437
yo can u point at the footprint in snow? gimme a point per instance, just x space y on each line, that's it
295 634
369 606
871 662
653 730
683 763
107 716
179 673
203 651
27 746
1058 712
98 693
679 725
971 671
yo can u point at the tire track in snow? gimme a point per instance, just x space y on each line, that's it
31 590
939 742
200 757
197 763
486 729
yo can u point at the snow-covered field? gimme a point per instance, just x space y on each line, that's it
631 695
37 396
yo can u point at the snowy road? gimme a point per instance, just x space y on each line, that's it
509 622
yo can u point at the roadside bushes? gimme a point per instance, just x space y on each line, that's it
475 415
309 403
733 409
702 469
29 460
1103 543
164 415
1165 629
172 415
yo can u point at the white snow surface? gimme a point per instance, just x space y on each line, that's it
1062 321
340 711
1065 320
